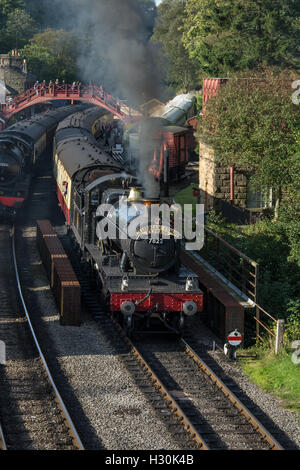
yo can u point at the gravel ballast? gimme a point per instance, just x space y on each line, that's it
115 413
111 411
272 406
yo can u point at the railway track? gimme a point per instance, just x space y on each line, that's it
242 409
210 411
205 406
32 413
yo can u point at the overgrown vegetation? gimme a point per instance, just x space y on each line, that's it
253 125
275 246
52 54
182 70
225 37
270 243
221 38
276 374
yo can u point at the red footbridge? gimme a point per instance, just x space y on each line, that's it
90 94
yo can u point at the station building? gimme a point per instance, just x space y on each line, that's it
14 76
228 189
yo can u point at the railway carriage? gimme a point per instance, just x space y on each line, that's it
21 146
172 149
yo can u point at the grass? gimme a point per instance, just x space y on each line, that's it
276 374
266 243
186 197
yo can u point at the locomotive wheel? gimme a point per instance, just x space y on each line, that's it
179 323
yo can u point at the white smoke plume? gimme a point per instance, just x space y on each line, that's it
114 49
115 52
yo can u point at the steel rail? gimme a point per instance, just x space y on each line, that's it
2 440
258 427
172 403
58 398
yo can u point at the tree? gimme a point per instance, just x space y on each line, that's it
7 6
168 31
52 54
253 124
20 27
225 36
36 9
290 212
10 14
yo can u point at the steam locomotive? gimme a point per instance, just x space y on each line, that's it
140 277
21 147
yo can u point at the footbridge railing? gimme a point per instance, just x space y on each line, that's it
76 92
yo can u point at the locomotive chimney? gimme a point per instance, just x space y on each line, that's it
135 194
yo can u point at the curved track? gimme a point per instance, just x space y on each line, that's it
32 413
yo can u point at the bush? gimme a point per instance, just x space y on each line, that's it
292 328
274 245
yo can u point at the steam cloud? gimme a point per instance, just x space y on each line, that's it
148 140
118 55
115 50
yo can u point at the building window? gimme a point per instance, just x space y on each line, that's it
257 199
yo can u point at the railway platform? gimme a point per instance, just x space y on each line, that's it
225 304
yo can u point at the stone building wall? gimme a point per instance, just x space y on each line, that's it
206 176
14 74
222 186
214 182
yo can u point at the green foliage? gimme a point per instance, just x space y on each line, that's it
292 327
20 27
168 31
51 55
252 124
216 222
268 243
8 6
276 374
225 36
17 26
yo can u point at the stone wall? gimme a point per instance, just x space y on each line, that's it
13 72
207 176
16 80
222 186
214 181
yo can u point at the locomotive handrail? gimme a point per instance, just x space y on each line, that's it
102 179
235 265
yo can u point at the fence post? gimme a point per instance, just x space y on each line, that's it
279 335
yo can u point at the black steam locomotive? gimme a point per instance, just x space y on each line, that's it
21 147
139 276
